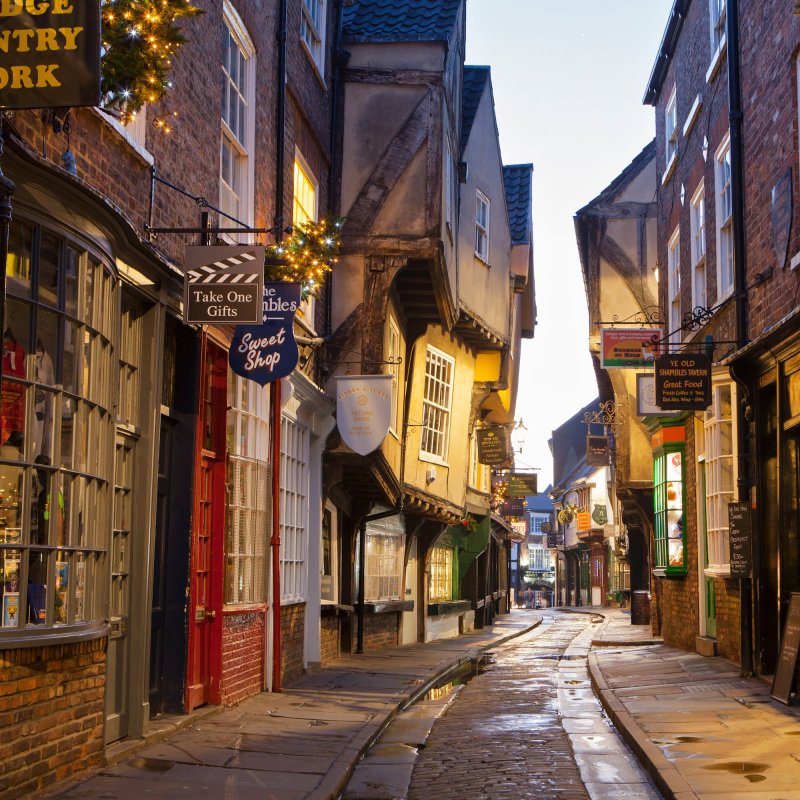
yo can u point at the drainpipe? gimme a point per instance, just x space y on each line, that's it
280 119
740 294
362 549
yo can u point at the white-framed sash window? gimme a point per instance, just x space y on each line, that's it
724 209
482 214
437 403
697 215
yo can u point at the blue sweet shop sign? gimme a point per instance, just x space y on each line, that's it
268 352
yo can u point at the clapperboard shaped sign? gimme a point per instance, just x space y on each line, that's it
224 284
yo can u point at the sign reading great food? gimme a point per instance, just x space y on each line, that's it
264 353
628 348
49 53
363 410
223 284
683 382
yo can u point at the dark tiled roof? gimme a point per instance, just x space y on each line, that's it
475 79
540 502
517 180
400 20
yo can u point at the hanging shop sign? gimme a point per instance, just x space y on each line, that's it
513 507
522 484
584 520
49 53
267 352
782 216
223 284
740 535
554 539
520 528
547 526
596 450
683 381
600 514
492 446
646 398
628 348
363 410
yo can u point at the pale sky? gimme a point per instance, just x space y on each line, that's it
568 81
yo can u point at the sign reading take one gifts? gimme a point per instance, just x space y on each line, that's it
267 352
363 410
49 53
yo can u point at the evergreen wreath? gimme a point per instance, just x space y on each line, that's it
307 255
140 37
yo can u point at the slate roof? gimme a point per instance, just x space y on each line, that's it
400 20
569 449
475 79
540 502
517 180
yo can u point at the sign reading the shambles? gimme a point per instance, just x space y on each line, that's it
267 352
49 53
522 484
628 348
683 382
363 410
223 284
740 530
492 448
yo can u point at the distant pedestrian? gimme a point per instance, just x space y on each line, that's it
529 597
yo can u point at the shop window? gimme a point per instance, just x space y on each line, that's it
304 210
479 474
436 404
56 435
720 469
384 565
441 574
329 555
670 536
294 510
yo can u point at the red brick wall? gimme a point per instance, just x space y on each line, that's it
728 622
329 644
380 630
293 631
242 655
51 714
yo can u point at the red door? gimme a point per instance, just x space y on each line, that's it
205 601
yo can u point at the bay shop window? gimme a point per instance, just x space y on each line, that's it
669 507
383 580
56 434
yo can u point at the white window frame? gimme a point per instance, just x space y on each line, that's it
448 186
243 149
437 403
536 522
482 225
671 128
295 500
312 31
697 216
440 578
479 474
394 354
385 554
724 218
716 457
674 285
716 16
301 214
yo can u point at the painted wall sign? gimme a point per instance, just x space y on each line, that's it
627 348
683 381
521 484
646 398
740 533
782 216
492 447
596 450
264 353
363 410
790 646
49 53
223 284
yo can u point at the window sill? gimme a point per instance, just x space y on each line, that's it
483 261
448 607
716 59
328 609
691 117
428 458
670 572
387 606
720 571
668 172
137 147
795 262
38 636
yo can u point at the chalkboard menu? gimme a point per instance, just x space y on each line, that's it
790 645
740 538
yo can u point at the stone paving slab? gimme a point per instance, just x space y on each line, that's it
702 731
301 744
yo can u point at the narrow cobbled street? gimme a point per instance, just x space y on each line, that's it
529 726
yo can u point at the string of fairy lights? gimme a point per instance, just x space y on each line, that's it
140 38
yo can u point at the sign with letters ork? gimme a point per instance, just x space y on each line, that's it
790 646
683 382
264 353
740 534
223 284
49 53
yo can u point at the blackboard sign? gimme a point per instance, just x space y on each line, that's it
492 448
596 450
790 645
683 382
740 536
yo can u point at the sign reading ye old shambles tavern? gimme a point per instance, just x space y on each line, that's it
49 53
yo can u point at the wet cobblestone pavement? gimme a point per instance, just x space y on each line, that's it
529 726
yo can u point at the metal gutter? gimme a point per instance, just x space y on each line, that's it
666 50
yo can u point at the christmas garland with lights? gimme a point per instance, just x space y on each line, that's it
307 255
140 37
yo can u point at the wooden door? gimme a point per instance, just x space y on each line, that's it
205 612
